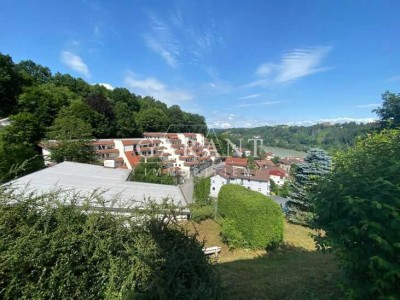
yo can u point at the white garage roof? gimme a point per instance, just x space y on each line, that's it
85 179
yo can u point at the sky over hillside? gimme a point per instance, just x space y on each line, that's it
238 63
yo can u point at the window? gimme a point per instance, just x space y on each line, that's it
259 189
248 187
213 188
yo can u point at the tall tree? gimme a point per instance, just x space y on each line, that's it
25 128
33 74
389 113
316 164
76 85
125 119
177 119
10 85
73 137
125 96
357 207
153 119
45 101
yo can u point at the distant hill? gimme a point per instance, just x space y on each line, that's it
331 137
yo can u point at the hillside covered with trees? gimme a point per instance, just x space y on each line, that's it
331 137
38 103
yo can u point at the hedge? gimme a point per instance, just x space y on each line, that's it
50 249
258 218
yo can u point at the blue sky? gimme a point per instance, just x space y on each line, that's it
238 63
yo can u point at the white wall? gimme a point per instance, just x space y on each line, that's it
218 181
278 180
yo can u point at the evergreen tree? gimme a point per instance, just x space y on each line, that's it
316 163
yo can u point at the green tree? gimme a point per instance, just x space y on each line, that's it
125 120
33 74
124 95
10 85
153 119
73 140
150 170
76 85
45 101
177 119
389 113
316 163
25 128
201 190
357 207
17 160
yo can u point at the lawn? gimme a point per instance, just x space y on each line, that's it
295 271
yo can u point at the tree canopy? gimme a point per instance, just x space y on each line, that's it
357 206
316 164
389 112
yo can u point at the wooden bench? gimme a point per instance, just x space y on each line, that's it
212 251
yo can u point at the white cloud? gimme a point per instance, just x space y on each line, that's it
265 69
370 105
293 65
339 120
394 78
224 121
107 86
160 91
250 96
257 104
168 54
75 62
162 41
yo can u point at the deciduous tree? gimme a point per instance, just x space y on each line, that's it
357 206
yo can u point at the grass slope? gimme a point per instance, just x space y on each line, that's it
295 271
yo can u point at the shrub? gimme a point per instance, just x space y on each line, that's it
231 235
202 212
201 190
258 218
357 206
50 249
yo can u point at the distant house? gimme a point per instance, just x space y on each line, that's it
255 180
278 175
287 162
236 161
268 155
261 164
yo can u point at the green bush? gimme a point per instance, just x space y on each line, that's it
50 249
231 235
357 206
258 218
201 212
201 190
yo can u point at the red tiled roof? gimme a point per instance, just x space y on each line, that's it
264 163
133 159
190 163
106 151
102 142
236 161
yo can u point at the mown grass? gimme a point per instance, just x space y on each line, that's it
293 271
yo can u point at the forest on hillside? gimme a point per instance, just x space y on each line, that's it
331 137
42 105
